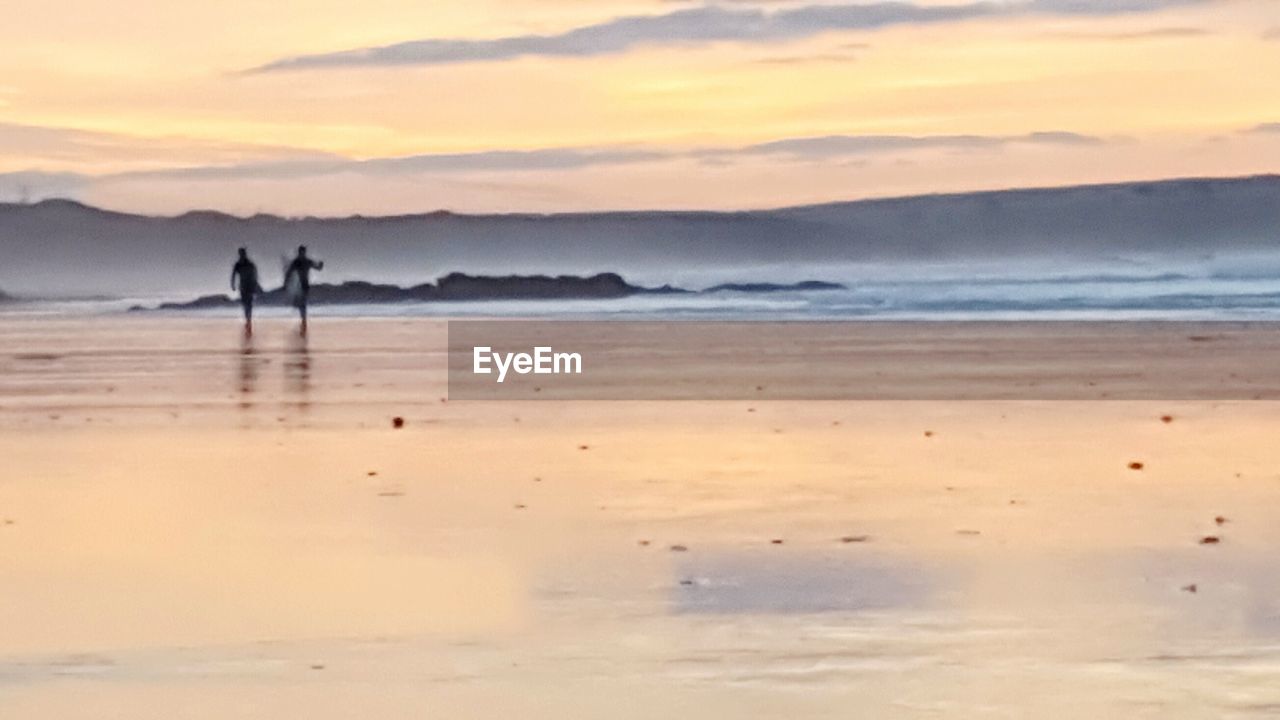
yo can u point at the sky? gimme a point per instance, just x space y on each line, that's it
328 107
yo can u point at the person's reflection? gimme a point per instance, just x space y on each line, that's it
249 364
297 373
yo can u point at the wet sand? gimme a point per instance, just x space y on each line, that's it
192 526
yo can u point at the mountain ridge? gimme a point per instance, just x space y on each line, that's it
440 213
61 247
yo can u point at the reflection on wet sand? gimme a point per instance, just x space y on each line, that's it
249 364
788 581
701 560
297 373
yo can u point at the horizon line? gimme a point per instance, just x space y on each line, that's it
9 205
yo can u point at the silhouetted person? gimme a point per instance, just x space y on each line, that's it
244 276
297 281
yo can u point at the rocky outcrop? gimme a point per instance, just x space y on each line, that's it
806 286
452 287
460 287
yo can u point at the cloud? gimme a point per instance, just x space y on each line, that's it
491 160
36 185
700 26
1153 34
847 145
1271 128
1271 34
572 158
807 59
71 145
33 185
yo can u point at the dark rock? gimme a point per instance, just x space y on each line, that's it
454 287
764 287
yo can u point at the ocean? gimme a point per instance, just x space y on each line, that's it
944 293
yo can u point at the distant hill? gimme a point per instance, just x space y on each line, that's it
60 247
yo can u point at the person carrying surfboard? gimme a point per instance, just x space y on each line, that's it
297 282
244 277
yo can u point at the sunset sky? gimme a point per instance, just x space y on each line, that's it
331 107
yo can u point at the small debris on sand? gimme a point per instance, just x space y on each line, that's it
1166 419
751 410
537 479
520 506
679 548
776 541
1136 465
928 433
391 493
642 543
372 473
584 447
968 532
317 666
1210 540
1190 588
686 583
397 422
855 539
1220 520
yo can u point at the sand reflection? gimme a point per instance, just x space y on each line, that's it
795 583
248 372
297 373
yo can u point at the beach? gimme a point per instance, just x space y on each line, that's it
194 525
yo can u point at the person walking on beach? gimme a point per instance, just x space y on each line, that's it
244 277
297 282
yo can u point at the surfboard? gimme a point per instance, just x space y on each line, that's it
292 284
